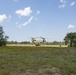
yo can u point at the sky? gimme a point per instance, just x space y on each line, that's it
51 19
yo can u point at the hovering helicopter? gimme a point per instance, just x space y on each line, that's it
38 40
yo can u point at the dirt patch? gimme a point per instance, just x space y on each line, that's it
50 71
43 71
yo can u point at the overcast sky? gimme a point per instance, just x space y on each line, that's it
53 19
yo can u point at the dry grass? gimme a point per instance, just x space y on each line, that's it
31 45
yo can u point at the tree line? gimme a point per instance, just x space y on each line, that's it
3 37
69 39
15 42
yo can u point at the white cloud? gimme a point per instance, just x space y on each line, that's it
62 6
72 4
3 18
38 12
63 1
26 23
71 26
29 21
25 12
36 19
18 25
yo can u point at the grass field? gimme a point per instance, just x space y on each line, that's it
37 60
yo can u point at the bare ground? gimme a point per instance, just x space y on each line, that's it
42 71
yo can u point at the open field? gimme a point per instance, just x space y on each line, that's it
34 45
17 60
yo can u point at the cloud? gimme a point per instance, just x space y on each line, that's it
63 1
38 12
72 4
36 19
18 25
71 26
29 21
26 23
25 12
3 18
62 6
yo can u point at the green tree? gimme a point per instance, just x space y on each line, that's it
3 37
70 39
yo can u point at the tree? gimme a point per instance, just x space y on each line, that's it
70 39
3 37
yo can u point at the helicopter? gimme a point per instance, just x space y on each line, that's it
38 40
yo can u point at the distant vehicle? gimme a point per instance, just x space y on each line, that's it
38 40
